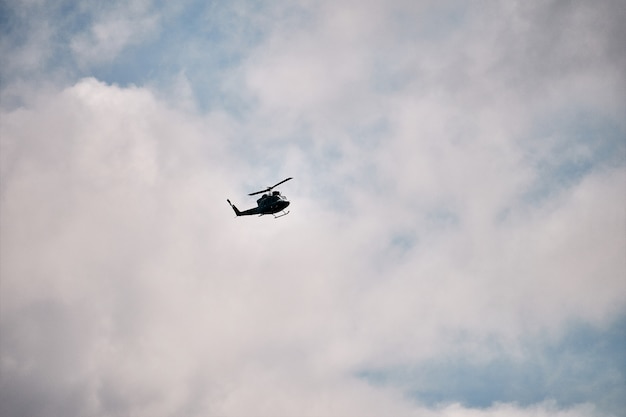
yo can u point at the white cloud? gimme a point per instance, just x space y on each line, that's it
127 281
120 25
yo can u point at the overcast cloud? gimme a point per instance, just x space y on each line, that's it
457 238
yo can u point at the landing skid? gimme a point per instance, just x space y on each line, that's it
281 215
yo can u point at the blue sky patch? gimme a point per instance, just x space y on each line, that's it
568 147
587 365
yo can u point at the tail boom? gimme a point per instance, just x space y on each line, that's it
249 212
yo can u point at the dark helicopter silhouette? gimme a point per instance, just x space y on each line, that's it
270 203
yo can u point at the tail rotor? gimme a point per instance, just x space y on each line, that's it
237 212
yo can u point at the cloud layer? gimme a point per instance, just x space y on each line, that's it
457 240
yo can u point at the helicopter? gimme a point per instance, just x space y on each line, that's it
269 203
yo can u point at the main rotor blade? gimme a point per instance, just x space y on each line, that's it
269 188
259 192
275 185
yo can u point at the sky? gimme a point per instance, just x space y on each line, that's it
456 243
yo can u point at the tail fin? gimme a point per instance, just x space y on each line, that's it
237 212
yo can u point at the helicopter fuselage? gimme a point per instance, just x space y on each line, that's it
270 203
267 204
